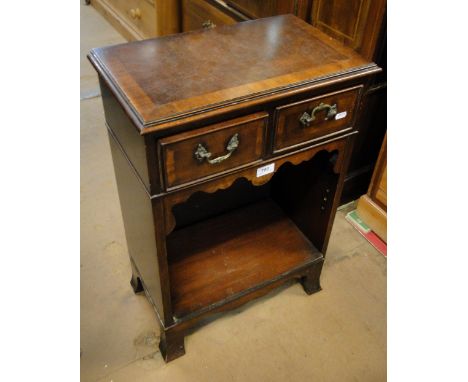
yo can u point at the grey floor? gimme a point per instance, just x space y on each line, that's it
338 334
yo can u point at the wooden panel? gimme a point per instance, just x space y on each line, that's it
223 66
266 8
341 17
197 13
110 11
381 193
132 143
378 184
154 18
167 17
140 13
181 165
235 252
373 215
372 124
140 232
250 173
290 131
372 207
356 23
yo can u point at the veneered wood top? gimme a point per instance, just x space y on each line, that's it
163 81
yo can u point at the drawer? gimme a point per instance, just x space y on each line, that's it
213 149
197 14
315 118
140 13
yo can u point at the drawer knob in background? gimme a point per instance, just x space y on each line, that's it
135 13
208 24
306 119
202 152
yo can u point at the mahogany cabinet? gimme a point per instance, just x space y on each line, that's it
230 148
359 24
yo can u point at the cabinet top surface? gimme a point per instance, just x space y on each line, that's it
183 75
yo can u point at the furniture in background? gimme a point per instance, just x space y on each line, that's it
372 207
141 19
359 24
230 147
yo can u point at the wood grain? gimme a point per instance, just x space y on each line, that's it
267 8
373 215
167 17
189 74
181 165
378 185
110 11
290 131
198 12
372 207
221 257
203 241
356 23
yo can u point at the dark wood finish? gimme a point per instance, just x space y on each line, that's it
130 141
311 281
181 165
200 74
138 217
198 14
290 131
203 240
266 8
221 257
361 25
356 23
135 280
250 173
372 125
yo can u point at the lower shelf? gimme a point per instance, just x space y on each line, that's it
225 256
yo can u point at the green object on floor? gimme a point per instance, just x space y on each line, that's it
354 219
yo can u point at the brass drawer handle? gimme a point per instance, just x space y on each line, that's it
135 13
202 152
306 119
208 24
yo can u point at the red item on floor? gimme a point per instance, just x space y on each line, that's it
376 241
365 231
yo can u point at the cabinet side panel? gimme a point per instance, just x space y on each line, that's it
139 227
127 135
306 193
372 125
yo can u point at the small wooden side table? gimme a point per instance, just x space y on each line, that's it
230 147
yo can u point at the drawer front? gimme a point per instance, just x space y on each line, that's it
213 149
140 13
312 119
197 14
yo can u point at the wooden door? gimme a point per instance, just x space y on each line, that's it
356 23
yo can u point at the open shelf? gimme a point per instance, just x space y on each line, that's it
221 257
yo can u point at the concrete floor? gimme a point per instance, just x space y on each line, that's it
338 334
